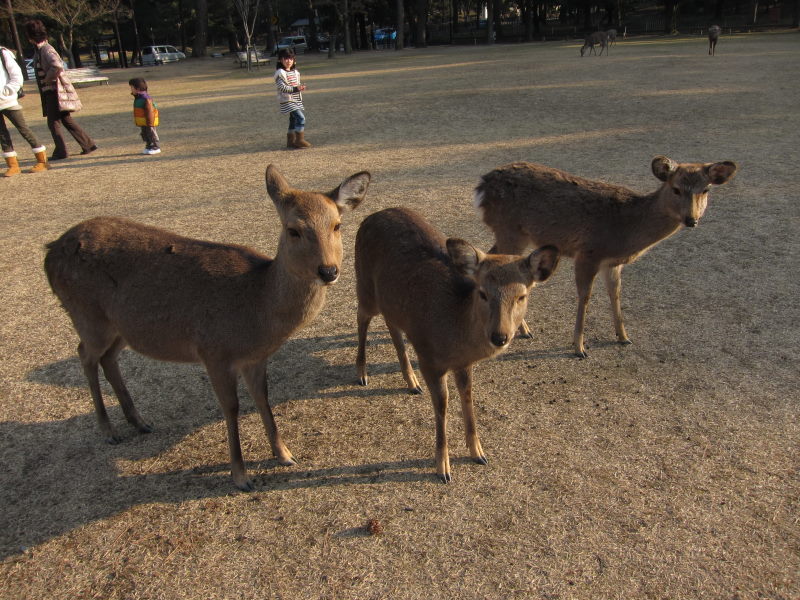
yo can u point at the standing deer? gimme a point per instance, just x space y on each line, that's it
597 38
612 37
713 35
601 226
185 300
456 306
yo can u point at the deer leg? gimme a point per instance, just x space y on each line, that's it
89 362
437 384
402 356
223 380
612 277
111 370
255 377
463 379
584 278
361 358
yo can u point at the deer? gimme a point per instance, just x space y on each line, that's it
713 35
597 38
612 37
456 305
600 225
175 298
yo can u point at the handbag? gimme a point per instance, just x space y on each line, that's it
3 50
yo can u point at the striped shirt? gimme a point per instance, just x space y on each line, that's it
289 97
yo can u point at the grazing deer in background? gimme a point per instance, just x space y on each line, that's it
597 38
602 226
185 300
456 306
612 37
713 36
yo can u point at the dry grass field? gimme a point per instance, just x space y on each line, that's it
666 469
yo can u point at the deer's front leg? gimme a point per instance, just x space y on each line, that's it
437 384
464 385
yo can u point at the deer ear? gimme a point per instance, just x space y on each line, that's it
351 191
464 256
662 167
541 263
277 186
721 172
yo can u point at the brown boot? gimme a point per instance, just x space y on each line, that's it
13 166
41 162
299 140
290 140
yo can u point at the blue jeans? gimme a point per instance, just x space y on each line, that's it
297 121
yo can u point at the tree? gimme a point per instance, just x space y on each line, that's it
248 11
401 18
200 28
67 14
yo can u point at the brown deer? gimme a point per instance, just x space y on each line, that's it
602 226
185 300
713 35
612 37
594 39
456 306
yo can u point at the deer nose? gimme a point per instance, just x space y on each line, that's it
328 274
499 339
690 221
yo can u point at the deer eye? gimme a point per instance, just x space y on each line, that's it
293 232
483 295
522 299
337 227
677 191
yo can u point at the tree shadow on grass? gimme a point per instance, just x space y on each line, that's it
60 475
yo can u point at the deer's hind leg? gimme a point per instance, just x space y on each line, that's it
402 355
91 351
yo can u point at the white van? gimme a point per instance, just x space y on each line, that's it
158 55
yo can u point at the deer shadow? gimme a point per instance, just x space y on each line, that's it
61 475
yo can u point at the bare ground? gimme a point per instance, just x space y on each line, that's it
668 469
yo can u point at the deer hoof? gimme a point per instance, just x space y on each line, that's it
481 460
144 428
246 485
113 439
445 477
415 390
625 342
581 354
363 380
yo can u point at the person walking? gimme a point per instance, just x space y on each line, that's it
59 98
290 98
145 115
11 109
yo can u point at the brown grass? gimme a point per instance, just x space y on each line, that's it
668 469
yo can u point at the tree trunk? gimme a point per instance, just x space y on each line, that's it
421 24
313 30
200 28
348 43
401 18
490 21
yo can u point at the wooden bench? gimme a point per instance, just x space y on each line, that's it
256 58
86 76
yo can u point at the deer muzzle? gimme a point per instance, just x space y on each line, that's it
328 274
690 222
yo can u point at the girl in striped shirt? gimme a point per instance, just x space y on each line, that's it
290 98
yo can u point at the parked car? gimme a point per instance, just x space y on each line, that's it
158 55
298 43
384 36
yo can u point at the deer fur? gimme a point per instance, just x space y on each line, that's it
594 39
713 36
179 299
456 306
601 226
611 34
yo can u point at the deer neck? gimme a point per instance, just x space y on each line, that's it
652 218
291 300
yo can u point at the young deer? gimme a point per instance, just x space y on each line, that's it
713 36
601 226
179 299
597 38
456 306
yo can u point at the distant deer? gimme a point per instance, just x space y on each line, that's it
713 35
593 39
602 226
612 37
456 306
180 299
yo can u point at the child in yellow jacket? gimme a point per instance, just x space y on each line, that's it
145 115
